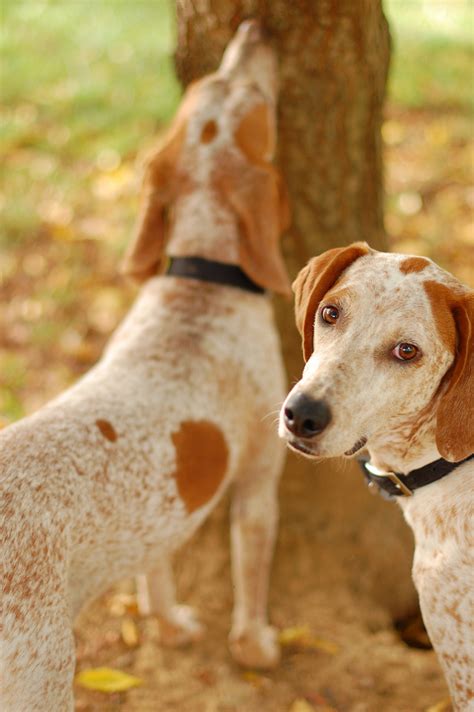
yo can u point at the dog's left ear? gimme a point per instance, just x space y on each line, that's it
314 280
255 190
455 416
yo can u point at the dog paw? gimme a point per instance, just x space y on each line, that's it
255 646
181 627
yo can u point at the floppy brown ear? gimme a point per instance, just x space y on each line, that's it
256 195
144 255
455 416
254 189
314 280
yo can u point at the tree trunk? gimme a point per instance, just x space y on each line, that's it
334 57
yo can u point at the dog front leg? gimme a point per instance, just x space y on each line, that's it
445 583
179 624
253 642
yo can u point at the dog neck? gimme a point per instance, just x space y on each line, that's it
202 227
402 449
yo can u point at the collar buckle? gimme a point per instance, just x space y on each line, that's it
392 476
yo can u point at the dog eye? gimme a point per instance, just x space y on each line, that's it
330 314
405 351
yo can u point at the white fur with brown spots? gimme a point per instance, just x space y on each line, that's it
101 483
407 413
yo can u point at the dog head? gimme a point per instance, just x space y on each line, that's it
388 345
220 147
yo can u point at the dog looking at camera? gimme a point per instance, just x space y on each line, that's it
388 342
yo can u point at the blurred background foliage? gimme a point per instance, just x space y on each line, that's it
87 85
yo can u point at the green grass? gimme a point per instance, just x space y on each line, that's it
76 70
78 78
433 57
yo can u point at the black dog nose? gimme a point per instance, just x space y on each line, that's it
306 417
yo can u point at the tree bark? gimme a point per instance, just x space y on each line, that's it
334 57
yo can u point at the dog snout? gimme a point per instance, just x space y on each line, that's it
250 31
304 416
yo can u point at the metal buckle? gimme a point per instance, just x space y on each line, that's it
406 491
165 264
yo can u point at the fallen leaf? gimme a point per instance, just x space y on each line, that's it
111 185
322 644
301 637
441 706
106 679
129 632
121 603
301 705
294 635
253 678
62 233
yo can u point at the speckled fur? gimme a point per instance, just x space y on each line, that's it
89 492
383 300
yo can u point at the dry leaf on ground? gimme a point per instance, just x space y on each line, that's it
301 637
443 705
106 679
301 705
129 633
254 678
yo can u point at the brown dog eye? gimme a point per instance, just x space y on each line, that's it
330 314
405 351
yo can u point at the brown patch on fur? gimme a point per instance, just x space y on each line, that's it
107 430
209 131
201 461
255 135
413 264
315 280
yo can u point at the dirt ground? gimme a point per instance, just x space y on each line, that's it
356 662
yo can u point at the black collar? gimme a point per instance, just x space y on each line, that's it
395 484
211 271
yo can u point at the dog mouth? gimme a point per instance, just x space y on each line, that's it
301 447
356 447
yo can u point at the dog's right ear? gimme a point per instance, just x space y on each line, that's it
455 415
144 255
314 280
